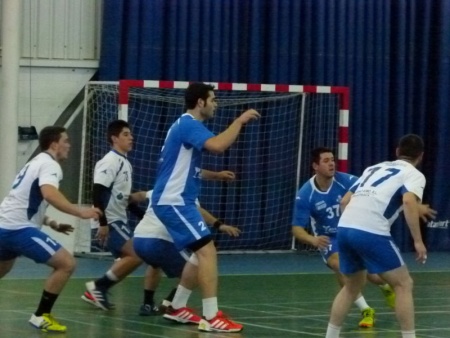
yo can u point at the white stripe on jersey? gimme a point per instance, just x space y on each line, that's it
171 195
188 225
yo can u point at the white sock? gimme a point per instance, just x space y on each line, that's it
361 303
181 297
409 334
111 276
333 331
210 307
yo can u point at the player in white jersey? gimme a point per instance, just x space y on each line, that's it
177 187
318 202
22 213
365 244
111 192
153 243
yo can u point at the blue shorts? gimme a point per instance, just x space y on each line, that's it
184 223
29 242
331 249
119 234
362 250
160 253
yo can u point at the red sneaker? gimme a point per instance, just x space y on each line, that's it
182 315
220 323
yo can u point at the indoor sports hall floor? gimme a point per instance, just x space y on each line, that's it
273 295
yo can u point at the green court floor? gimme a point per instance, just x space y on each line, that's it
268 304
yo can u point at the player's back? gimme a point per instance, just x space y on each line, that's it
378 196
24 205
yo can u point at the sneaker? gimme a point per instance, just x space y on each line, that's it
148 310
87 297
182 315
389 296
96 297
368 318
46 323
220 323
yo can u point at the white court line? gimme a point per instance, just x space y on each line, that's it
283 330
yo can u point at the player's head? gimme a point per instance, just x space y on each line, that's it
119 136
54 140
322 161
410 148
200 96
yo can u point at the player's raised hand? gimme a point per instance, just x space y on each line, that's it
426 213
249 115
321 242
421 252
230 230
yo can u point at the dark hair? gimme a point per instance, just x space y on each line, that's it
410 146
316 152
196 91
115 128
48 135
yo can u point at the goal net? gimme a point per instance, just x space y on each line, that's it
270 158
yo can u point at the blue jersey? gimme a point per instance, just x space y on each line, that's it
323 207
178 178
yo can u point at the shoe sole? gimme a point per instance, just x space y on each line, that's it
219 330
179 320
47 330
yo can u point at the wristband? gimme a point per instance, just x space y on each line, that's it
217 224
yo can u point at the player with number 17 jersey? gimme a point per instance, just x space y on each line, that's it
377 196
24 206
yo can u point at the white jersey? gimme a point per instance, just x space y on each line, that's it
24 206
114 172
150 226
377 199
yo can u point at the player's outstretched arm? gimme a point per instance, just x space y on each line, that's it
137 197
302 235
223 175
219 225
218 144
411 210
54 197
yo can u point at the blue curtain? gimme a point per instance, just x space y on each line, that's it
394 56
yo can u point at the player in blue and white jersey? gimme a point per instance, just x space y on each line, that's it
178 184
111 192
365 244
318 202
22 213
154 245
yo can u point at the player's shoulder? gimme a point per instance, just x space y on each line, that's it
307 188
339 175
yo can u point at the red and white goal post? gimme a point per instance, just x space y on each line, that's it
271 157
